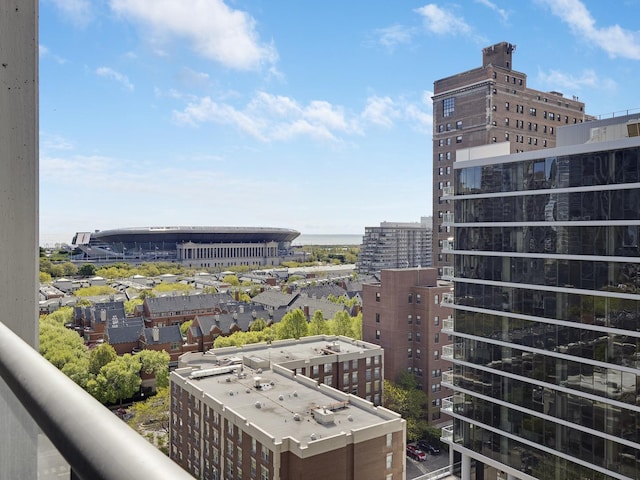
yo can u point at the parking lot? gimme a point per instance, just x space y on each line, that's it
434 462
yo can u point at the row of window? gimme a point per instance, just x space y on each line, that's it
410 337
448 126
447 141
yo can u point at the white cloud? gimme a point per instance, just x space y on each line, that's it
273 117
500 11
614 39
77 12
442 22
192 79
117 76
588 79
54 142
380 111
44 52
215 31
394 35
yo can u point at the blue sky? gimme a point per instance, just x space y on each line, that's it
314 116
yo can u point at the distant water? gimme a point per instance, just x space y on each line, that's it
327 239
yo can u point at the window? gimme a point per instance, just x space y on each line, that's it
441 142
409 319
377 334
436 354
436 338
418 319
448 127
389 460
459 139
389 440
448 141
506 105
345 378
410 336
459 125
418 337
377 296
448 106
377 318
410 298
440 157
264 473
440 128
532 112
409 353
448 155
506 121
436 299
418 353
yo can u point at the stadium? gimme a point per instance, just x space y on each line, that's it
191 246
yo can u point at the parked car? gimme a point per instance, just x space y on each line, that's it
428 447
415 453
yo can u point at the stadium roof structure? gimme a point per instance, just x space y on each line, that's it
185 234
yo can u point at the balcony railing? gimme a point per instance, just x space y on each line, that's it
449 351
447 299
447 434
447 191
447 218
447 379
96 444
447 405
448 325
447 272
447 245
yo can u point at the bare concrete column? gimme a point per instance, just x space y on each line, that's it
465 467
18 216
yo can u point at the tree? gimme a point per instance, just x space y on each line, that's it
342 324
152 416
78 371
231 280
130 305
101 356
185 326
258 325
94 291
293 325
146 294
155 362
317 325
117 380
44 277
87 270
410 401
69 269
61 316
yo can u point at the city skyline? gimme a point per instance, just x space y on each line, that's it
311 118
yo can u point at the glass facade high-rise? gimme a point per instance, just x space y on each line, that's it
546 270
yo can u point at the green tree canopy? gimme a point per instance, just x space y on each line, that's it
258 325
342 324
155 362
101 356
293 325
87 270
231 280
318 325
118 380
406 398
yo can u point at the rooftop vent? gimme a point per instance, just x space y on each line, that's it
297 417
258 405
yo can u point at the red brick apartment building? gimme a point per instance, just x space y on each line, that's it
242 415
484 106
404 315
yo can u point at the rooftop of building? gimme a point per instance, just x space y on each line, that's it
283 407
281 352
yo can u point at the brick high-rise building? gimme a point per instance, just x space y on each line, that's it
403 314
486 105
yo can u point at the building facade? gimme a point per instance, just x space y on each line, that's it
546 375
403 314
487 105
244 416
396 245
